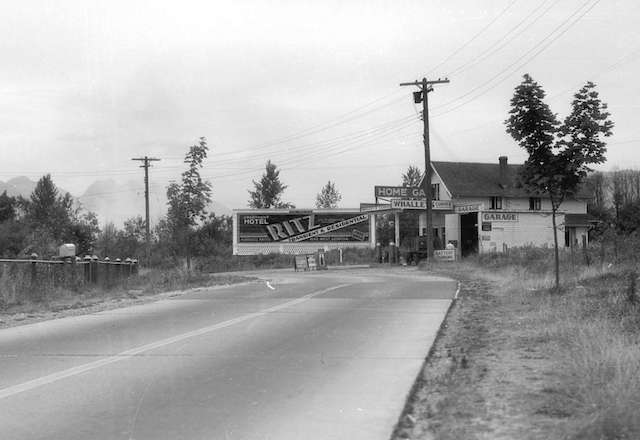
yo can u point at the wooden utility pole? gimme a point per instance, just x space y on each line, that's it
146 164
423 96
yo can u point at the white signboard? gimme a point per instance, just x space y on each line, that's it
469 207
445 255
500 217
420 204
372 207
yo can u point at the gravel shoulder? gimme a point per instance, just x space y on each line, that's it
489 374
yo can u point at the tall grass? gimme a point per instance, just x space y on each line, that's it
593 325
596 333
22 282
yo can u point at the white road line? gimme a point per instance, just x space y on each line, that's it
74 371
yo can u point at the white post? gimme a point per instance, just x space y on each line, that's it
372 231
397 227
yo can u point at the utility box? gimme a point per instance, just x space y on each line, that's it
67 250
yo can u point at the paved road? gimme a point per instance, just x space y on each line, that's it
304 356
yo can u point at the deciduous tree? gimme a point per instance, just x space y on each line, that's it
188 200
560 155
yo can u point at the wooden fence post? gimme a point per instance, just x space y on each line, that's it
94 269
34 271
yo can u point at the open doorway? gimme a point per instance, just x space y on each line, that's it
469 233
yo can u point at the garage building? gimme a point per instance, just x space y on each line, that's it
491 212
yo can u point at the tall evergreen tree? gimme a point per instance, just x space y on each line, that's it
328 197
268 191
7 207
559 155
49 209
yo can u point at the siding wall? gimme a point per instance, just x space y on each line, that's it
531 228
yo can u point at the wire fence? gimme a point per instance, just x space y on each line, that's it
36 280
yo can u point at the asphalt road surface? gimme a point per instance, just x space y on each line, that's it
327 355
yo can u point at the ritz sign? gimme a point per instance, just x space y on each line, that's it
303 228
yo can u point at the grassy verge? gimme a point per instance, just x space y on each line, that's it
64 302
518 360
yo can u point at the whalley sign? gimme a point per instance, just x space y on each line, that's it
400 192
421 204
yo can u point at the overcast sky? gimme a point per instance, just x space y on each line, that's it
312 85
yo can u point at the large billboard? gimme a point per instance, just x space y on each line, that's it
298 231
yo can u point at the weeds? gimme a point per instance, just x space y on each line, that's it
582 341
592 329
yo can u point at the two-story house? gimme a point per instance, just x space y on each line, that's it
491 212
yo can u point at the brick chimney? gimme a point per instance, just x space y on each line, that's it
504 178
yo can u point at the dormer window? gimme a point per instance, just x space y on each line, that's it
496 202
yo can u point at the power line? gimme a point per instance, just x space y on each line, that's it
507 73
339 120
503 41
335 151
472 39
627 58
304 149
371 133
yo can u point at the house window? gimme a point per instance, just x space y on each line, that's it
496 202
435 191
535 204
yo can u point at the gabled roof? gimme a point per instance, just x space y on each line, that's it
473 179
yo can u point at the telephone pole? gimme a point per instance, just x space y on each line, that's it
422 95
146 164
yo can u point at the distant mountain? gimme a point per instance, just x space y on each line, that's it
18 186
21 186
110 200
115 202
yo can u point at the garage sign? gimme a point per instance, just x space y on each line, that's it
500 216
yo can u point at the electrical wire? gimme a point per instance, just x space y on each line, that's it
342 119
485 88
472 39
627 58
506 38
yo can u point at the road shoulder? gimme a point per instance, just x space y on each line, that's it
89 302
485 376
